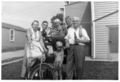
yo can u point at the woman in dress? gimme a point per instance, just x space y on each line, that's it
34 47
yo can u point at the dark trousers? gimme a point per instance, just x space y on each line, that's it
75 60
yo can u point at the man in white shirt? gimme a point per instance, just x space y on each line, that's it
76 39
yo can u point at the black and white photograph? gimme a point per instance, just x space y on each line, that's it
59 40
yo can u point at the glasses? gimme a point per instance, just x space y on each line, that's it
45 24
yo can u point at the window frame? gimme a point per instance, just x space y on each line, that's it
10 39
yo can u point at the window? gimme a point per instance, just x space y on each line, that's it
12 35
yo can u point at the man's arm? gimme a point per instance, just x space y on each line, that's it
48 31
83 41
85 38
42 43
67 40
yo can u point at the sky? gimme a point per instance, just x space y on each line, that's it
23 13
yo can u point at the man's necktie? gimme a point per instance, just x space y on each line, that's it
80 32
75 37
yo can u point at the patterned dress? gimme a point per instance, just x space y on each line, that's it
34 49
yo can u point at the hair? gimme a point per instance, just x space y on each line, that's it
35 21
67 17
76 18
45 22
57 19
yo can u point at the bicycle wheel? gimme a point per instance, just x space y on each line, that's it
46 70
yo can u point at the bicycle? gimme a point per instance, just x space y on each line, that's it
43 70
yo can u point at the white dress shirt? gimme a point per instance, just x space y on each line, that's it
80 32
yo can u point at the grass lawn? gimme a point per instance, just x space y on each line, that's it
97 70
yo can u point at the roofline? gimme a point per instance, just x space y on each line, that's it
13 28
76 3
6 27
